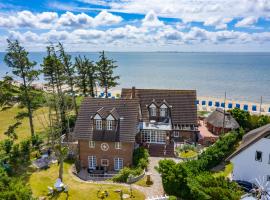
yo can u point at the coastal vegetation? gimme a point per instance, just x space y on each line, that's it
248 121
187 180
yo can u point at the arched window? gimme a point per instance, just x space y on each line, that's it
109 122
98 122
163 110
153 110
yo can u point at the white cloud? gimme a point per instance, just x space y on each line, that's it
187 10
247 22
51 20
151 20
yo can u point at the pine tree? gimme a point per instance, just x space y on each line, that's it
69 70
17 59
106 76
82 75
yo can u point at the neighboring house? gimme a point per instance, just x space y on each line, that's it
166 116
214 122
106 130
251 160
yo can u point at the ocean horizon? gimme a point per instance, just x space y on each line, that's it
244 76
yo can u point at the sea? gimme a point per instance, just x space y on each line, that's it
243 76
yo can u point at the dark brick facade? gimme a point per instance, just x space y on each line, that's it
126 153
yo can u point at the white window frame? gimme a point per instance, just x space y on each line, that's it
176 134
92 162
118 164
163 110
98 124
92 144
118 145
109 125
104 165
153 110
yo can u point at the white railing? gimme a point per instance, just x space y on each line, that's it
158 198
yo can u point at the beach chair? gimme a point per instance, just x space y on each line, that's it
254 108
210 103
109 94
223 105
237 105
217 104
203 103
197 102
269 109
230 105
245 107
101 94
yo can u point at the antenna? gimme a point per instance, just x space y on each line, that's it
224 113
261 105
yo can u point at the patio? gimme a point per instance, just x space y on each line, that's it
95 175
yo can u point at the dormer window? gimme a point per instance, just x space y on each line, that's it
98 122
153 110
109 122
163 110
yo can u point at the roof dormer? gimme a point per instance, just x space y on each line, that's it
97 117
110 117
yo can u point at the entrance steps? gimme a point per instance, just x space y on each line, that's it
161 150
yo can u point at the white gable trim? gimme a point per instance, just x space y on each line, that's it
152 105
110 117
163 106
97 116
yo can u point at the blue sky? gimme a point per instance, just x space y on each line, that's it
138 25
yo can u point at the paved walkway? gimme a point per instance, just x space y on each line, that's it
156 188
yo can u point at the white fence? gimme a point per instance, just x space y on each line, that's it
158 198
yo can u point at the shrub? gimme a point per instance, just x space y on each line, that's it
138 154
172 198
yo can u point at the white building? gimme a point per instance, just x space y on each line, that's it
251 160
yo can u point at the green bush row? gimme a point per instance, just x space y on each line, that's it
190 180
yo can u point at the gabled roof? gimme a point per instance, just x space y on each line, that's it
182 103
251 138
125 110
216 119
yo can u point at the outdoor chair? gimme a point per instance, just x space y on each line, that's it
50 191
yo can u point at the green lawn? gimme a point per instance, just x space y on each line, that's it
188 154
228 169
40 180
7 118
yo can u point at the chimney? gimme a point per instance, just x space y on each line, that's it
133 91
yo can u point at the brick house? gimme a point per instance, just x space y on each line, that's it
214 122
108 130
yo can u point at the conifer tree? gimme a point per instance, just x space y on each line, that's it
17 59
105 73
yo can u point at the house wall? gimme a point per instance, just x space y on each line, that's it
246 167
216 130
126 153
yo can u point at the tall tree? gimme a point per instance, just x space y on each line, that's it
69 70
82 75
7 92
105 73
86 75
91 75
17 59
